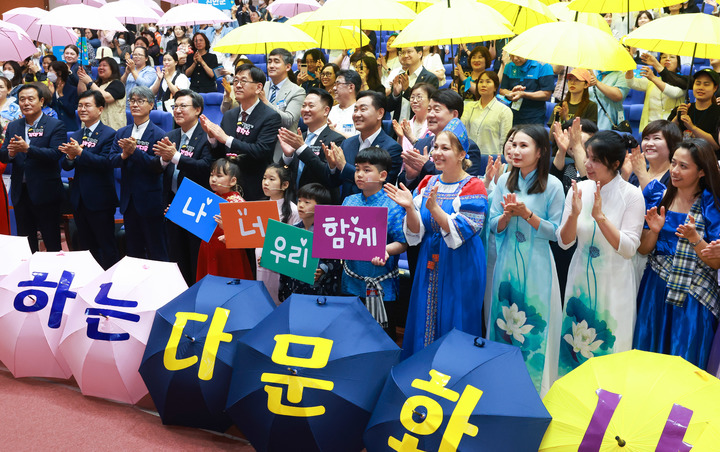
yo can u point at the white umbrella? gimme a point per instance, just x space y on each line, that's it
15 250
192 14
94 3
150 4
82 16
15 44
131 12
28 18
182 2
291 8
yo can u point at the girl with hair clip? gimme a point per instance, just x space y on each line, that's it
278 186
525 213
214 257
604 216
679 301
445 216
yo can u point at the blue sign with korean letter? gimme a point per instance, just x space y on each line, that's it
219 4
194 209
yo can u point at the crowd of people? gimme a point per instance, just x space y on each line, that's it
561 235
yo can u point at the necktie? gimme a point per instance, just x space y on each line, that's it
273 93
308 141
86 133
244 116
176 171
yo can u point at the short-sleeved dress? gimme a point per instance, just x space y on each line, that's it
662 327
526 310
450 274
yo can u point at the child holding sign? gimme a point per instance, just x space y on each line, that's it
277 185
363 278
214 258
327 275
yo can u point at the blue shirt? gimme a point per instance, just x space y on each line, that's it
396 215
534 76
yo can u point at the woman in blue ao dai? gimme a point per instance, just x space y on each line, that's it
678 303
525 213
445 216
605 216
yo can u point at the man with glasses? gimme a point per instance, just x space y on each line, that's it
249 130
141 200
347 86
92 192
399 100
184 152
280 93
32 146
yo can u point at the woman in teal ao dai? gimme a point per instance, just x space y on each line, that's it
525 213
605 216
678 297
445 216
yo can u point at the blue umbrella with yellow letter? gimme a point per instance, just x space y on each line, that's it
308 376
188 360
461 393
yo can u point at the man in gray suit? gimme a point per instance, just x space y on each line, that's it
280 93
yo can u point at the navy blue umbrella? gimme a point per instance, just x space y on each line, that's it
188 360
307 377
460 393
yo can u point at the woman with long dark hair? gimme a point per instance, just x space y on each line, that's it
577 101
170 80
109 85
526 210
64 95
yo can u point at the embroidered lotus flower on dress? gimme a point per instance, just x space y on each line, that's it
583 339
514 323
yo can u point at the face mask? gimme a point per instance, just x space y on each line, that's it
152 29
218 26
9 74
52 77
121 41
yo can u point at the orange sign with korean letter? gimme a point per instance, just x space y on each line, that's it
245 223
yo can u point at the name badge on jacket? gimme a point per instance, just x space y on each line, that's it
89 143
142 146
243 128
35 132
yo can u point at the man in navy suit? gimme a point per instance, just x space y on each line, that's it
399 100
445 104
303 153
184 153
250 131
369 111
141 200
32 146
92 191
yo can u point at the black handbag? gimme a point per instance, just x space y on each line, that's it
623 126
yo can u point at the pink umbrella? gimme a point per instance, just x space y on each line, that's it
82 16
192 14
150 4
14 250
34 300
95 3
108 327
131 12
290 8
28 18
15 44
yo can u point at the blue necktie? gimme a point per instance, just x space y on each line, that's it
176 172
273 93
308 140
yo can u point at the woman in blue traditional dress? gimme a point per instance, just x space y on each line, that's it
605 216
678 302
525 213
445 216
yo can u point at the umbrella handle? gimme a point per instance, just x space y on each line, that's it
234 282
620 441
321 301
481 342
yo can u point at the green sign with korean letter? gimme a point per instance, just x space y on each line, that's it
288 251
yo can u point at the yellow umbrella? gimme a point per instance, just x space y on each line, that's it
549 2
462 22
696 35
522 14
572 44
262 37
327 36
365 14
634 401
417 5
618 6
563 13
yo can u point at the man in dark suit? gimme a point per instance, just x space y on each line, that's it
32 146
141 200
303 153
92 191
250 131
369 111
399 100
184 152
445 104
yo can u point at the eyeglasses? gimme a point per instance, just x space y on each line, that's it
407 52
416 98
181 106
243 81
137 101
341 83
85 106
326 74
